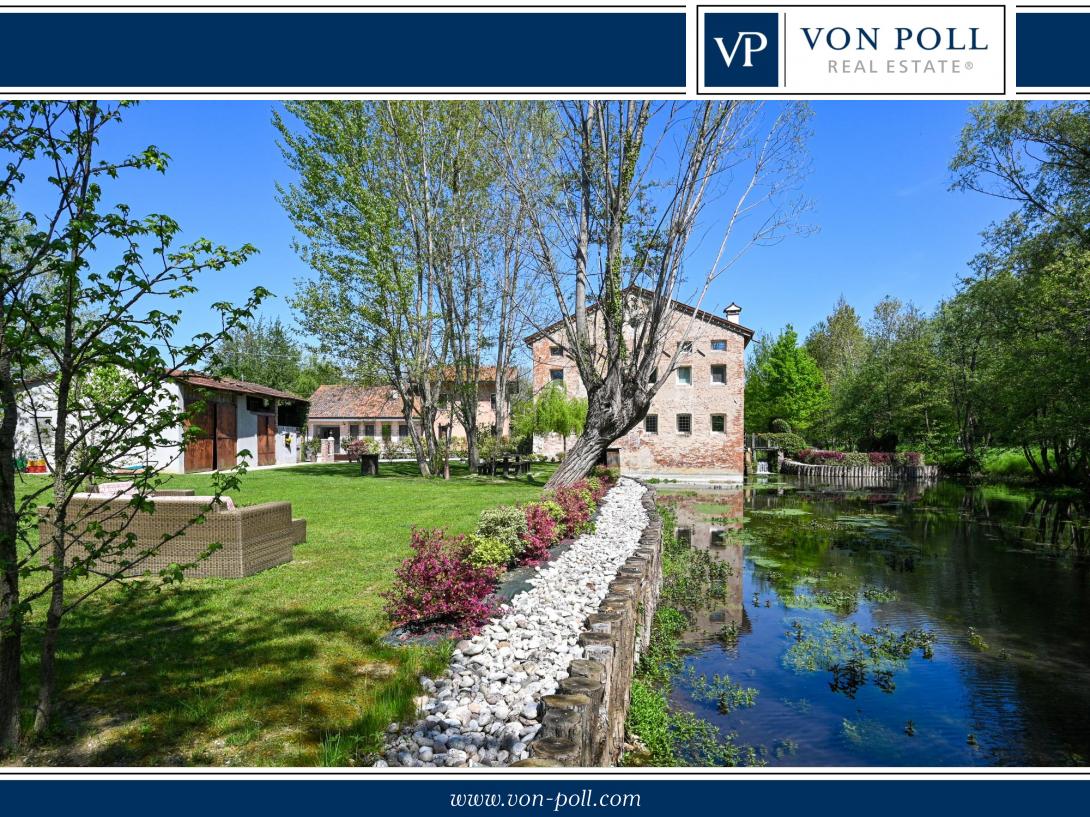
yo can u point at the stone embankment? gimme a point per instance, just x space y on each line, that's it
895 473
584 723
574 632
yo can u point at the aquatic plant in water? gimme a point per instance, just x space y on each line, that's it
660 734
854 657
976 641
720 690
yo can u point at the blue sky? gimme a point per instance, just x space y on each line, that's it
886 221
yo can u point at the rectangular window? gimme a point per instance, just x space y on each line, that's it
718 423
651 424
685 346
368 429
556 374
654 376
685 375
556 351
719 374
719 346
403 431
387 431
685 424
493 401
354 431
684 536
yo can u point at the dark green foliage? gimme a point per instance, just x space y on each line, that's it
784 383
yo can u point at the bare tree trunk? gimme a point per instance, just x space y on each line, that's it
614 409
11 626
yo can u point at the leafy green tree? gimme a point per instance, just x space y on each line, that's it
784 382
552 411
264 351
838 344
1030 286
89 311
398 210
1037 156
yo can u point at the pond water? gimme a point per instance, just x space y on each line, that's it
933 625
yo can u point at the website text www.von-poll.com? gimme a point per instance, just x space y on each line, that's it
582 799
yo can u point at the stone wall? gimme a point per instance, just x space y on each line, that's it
902 473
583 724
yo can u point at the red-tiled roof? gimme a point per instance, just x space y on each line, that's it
486 374
700 314
355 401
204 381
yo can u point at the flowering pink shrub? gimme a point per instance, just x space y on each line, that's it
577 502
437 585
815 456
542 532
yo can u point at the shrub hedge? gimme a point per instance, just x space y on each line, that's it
449 581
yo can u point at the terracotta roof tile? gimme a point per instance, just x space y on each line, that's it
204 381
355 401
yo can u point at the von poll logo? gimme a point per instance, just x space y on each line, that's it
741 50
855 50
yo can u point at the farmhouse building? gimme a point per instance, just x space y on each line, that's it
351 412
694 427
233 416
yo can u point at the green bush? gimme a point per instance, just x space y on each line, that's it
505 523
789 441
485 551
779 426
855 458
608 474
554 509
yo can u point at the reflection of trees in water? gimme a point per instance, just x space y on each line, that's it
1059 521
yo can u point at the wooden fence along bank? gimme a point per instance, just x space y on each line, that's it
831 473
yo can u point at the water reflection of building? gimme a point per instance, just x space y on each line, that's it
711 523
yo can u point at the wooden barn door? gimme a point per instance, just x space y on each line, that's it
199 454
226 435
266 439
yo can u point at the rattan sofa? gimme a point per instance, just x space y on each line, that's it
253 538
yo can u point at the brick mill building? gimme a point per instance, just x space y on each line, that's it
694 427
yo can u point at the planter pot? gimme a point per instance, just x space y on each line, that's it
369 465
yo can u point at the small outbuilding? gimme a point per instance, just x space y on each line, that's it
233 416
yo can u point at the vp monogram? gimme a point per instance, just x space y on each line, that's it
751 42
749 49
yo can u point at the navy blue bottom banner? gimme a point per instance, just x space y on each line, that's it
820 798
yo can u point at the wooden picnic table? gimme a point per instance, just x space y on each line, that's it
504 466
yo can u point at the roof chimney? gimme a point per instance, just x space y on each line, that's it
732 312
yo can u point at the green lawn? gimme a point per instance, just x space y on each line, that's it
282 668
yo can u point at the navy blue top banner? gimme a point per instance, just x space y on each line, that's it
536 50
1051 50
